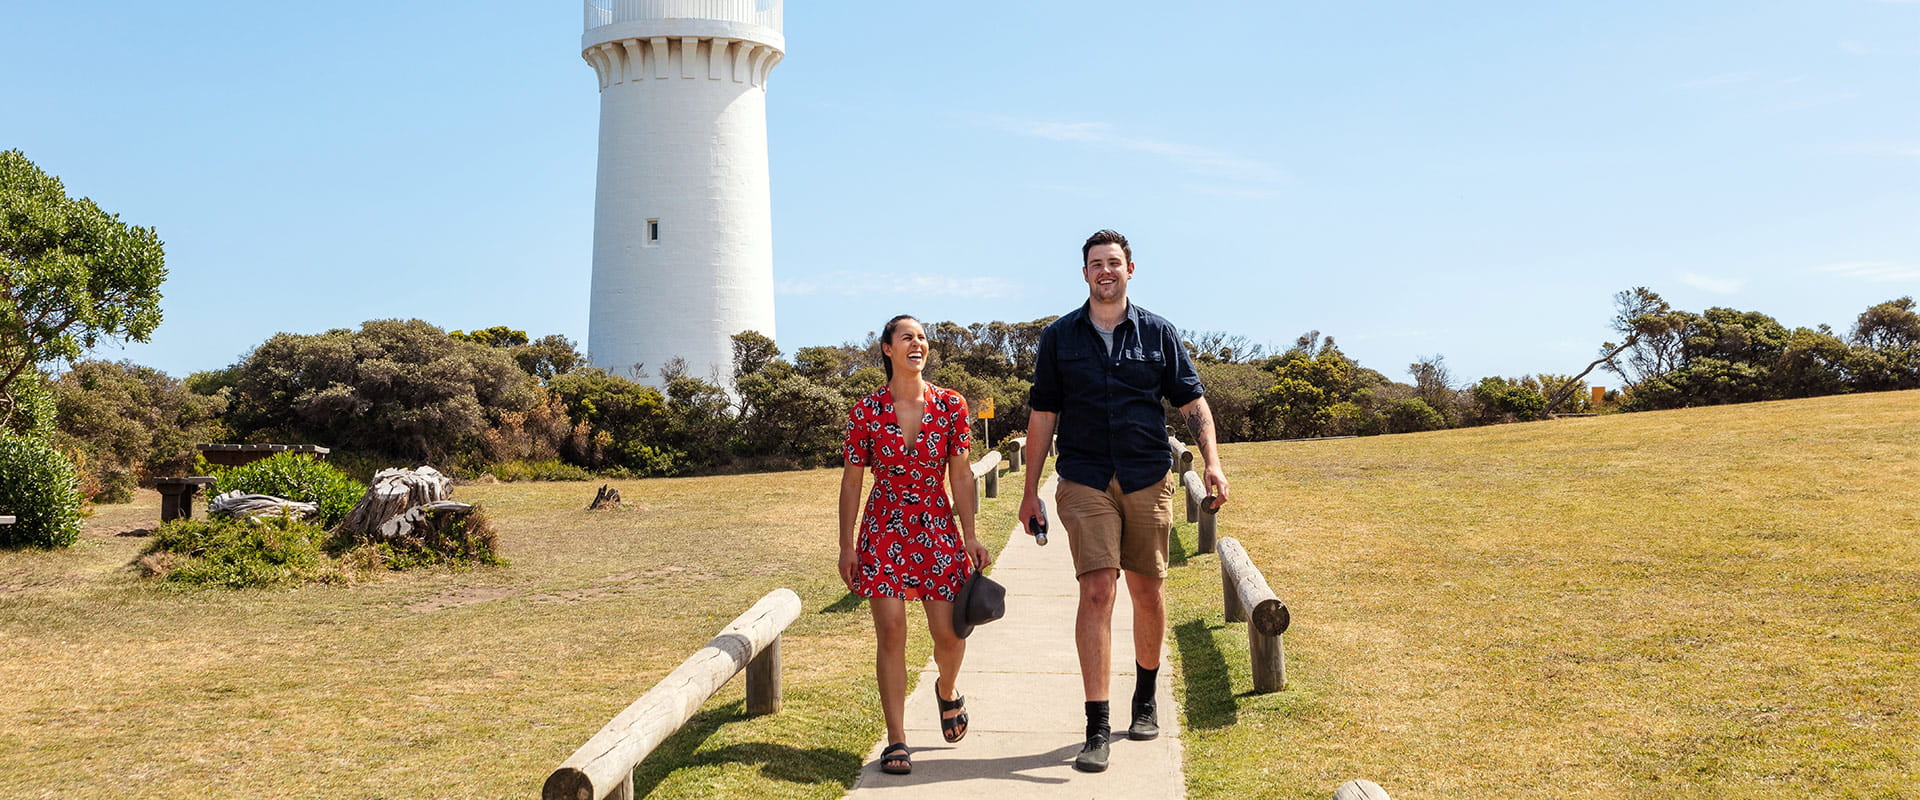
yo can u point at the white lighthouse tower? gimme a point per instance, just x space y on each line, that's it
682 224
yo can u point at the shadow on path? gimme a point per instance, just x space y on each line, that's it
1007 768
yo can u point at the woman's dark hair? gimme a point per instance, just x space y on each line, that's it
886 337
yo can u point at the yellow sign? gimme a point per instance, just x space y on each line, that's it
986 409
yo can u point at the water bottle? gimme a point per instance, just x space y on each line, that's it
1038 525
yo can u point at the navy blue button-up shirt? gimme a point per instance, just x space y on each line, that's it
1111 422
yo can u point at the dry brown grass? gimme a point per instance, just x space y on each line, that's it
442 683
1715 602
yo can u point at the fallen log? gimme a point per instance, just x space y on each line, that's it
254 507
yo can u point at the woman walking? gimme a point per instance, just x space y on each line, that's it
908 545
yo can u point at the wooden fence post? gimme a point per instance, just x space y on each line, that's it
1197 495
1267 617
987 471
763 680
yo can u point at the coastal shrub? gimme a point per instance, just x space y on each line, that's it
552 469
237 553
39 489
443 540
296 477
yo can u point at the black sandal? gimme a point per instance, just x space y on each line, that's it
957 721
896 760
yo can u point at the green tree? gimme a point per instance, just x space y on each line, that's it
1886 352
548 356
1502 400
617 422
399 388
131 423
496 336
71 274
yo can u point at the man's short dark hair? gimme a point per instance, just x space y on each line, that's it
1105 236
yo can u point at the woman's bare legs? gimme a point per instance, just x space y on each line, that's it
948 651
890 662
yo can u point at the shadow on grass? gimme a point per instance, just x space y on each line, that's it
778 762
846 603
1210 702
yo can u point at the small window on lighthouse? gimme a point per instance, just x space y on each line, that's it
653 231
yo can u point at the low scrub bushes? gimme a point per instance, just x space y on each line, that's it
448 540
296 477
548 470
231 553
39 489
238 554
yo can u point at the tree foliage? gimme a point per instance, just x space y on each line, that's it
400 388
131 424
37 487
71 274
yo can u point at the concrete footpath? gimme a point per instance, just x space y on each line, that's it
1021 679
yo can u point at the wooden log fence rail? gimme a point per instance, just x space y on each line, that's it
1200 509
603 767
1360 789
987 471
1182 457
1248 599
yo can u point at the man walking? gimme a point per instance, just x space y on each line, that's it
1098 382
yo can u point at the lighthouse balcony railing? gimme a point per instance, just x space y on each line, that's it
765 13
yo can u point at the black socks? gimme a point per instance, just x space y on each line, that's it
1097 719
1143 687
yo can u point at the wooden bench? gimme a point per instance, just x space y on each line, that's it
176 495
234 455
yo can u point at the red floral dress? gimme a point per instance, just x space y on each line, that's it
910 545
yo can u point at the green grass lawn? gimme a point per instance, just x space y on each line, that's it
1707 603
1712 603
447 683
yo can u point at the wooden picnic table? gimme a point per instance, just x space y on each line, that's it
233 455
176 495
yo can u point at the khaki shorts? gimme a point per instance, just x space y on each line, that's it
1110 529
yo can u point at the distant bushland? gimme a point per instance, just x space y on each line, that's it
395 392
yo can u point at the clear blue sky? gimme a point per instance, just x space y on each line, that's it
1469 180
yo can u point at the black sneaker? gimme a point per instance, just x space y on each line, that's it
1146 724
1093 757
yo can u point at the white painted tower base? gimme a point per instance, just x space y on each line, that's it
682 227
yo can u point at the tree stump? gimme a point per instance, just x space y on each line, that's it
607 497
420 523
394 492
